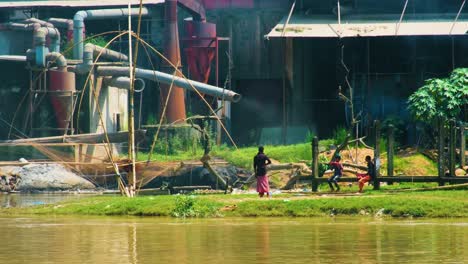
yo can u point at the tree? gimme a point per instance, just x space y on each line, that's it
445 98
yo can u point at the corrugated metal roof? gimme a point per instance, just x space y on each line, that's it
74 3
307 26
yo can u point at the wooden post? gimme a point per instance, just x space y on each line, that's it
315 171
462 146
377 154
390 151
440 154
226 187
453 138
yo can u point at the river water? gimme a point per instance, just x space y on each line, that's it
155 240
58 239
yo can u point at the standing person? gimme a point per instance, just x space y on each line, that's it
369 175
337 168
260 162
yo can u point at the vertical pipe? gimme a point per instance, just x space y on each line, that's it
315 171
175 111
453 138
377 154
440 154
462 146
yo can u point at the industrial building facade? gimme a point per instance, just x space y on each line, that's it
289 76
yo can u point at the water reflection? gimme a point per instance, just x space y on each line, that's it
155 240
29 199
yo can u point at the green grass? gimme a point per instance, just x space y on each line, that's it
417 204
242 157
416 164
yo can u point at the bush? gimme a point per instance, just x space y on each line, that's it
440 98
339 135
184 206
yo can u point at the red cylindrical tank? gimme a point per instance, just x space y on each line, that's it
175 111
62 85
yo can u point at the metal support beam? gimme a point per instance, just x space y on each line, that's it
401 18
458 15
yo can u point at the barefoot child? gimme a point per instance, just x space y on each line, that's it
369 175
337 168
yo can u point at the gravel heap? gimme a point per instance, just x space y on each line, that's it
48 177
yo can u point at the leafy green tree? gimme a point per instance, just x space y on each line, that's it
443 98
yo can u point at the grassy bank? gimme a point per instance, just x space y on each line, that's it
418 204
414 164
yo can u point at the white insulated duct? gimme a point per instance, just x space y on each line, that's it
168 79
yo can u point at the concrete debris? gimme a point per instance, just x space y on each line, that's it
41 177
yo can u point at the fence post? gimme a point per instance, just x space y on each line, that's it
377 154
452 151
462 145
315 171
390 150
440 154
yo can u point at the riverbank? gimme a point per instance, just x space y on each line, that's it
433 204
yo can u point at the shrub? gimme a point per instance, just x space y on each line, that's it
442 98
339 135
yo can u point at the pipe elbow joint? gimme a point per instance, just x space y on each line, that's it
78 19
40 36
58 59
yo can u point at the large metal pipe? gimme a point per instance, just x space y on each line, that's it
54 36
39 34
168 79
106 53
40 22
80 16
125 83
63 23
58 59
91 50
40 41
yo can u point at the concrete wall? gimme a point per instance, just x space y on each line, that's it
112 102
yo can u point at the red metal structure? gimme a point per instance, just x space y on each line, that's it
62 89
200 48
175 112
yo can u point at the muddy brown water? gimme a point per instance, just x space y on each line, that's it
59 239
156 240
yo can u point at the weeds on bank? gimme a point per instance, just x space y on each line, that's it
418 204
